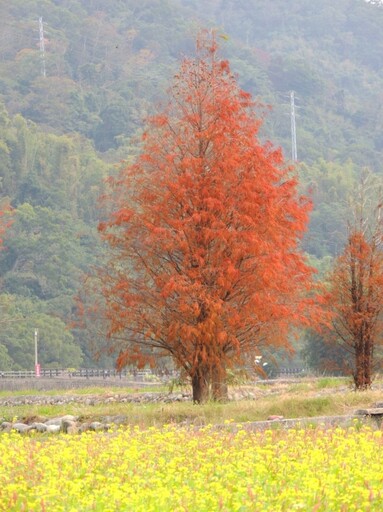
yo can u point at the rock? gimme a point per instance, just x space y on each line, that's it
69 417
375 411
116 420
53 429
21 427
53 422
39 427
96 426
94 400
69 427
60 420
274 417
73 429
6 425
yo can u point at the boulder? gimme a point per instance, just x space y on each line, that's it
69 427
374 411
53 429
59 421
53 422
83 427
21 427
39 427
96 426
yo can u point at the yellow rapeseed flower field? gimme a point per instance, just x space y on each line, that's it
184 469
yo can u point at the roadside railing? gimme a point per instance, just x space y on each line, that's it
127 374
52 373
284 372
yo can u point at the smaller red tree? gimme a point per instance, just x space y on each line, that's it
356 292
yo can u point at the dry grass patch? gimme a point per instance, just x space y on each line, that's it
306 398
157 414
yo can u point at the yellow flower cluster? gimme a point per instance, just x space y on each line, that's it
182 469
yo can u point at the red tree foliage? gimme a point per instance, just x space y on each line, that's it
356 299
205 264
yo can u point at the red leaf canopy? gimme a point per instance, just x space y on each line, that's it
205 263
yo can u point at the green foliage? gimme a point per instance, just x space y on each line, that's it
330 382
53 183
330 186
107 64
6 361
325 357
56 344
45 255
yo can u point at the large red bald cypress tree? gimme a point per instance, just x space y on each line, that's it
205 264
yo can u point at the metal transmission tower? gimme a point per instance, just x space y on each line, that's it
294 154
42 47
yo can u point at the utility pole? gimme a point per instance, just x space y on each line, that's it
37 366
294 155
42 47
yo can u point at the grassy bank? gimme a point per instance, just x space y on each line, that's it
290 400
90 390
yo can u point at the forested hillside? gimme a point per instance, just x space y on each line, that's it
76 86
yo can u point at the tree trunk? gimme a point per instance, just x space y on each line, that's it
367 377
219 385
363 367
200 385
358 373
367 365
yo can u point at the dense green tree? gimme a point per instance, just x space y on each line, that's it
46 253
62 172
330 186
56 343
325 357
